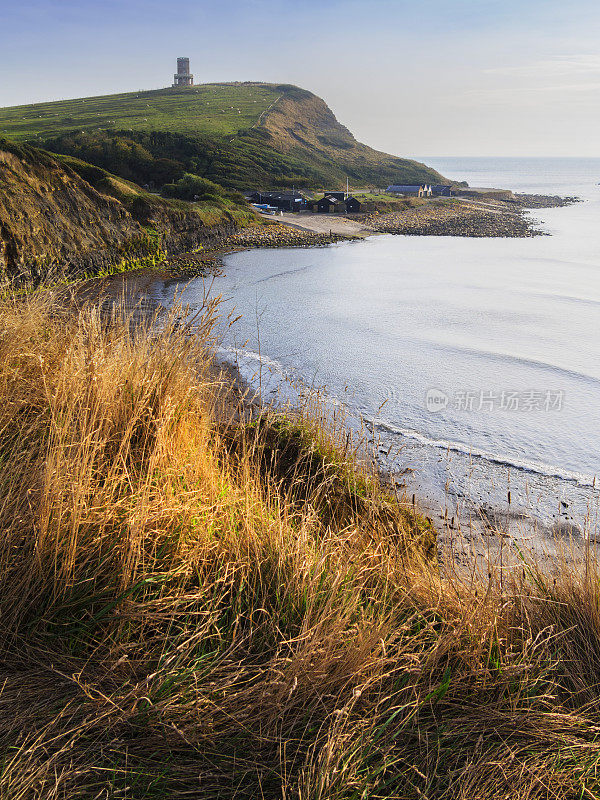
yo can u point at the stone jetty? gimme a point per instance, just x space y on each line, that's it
277 235
544 201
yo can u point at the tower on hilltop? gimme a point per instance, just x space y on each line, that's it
183 76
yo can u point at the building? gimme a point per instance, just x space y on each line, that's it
422 190
331 205
404 189
336 195
442 191
283 201
183 76
353 206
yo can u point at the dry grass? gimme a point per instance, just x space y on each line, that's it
195 604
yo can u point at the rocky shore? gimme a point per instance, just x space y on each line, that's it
544 201
205 261
277 235
453 220
472 217
475 219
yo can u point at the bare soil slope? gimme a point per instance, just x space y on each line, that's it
48 214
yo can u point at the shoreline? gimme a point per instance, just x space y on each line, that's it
473 526
471 219
464 217
480 528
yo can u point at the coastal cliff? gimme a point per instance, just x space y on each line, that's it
49 214
302 124
240 135
52 219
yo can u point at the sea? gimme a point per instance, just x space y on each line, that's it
470 367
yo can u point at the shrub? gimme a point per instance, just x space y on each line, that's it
192 187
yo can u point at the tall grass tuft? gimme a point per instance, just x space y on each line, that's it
198 599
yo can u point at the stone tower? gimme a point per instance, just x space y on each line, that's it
183 76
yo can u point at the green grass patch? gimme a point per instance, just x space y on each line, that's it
210 109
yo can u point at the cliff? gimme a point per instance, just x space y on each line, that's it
53 219
240 135
49 215
302 124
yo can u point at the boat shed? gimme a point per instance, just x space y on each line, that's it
336 195
353 206
283 201
442 191
330 205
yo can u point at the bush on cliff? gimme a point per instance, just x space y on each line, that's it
193 187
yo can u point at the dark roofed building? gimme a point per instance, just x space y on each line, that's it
353 206
330 205
336 195
415 189
442 191
284 201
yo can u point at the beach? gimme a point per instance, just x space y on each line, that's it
378 321
479 494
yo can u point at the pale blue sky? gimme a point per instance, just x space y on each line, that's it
419 78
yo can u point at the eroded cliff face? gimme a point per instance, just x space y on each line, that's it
49 216
180 229
301 119
52 220
302 124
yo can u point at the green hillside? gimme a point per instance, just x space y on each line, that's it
212 110
240 135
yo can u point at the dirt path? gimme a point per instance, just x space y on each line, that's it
325 223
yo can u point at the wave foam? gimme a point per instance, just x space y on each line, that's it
544 470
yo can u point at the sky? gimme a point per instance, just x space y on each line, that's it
416 78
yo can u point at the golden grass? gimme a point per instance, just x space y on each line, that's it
196 603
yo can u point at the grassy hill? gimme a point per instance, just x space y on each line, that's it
212 109
238 134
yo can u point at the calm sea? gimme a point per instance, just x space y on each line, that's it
474 362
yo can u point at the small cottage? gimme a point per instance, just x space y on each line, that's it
330 205
353 206
411 189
